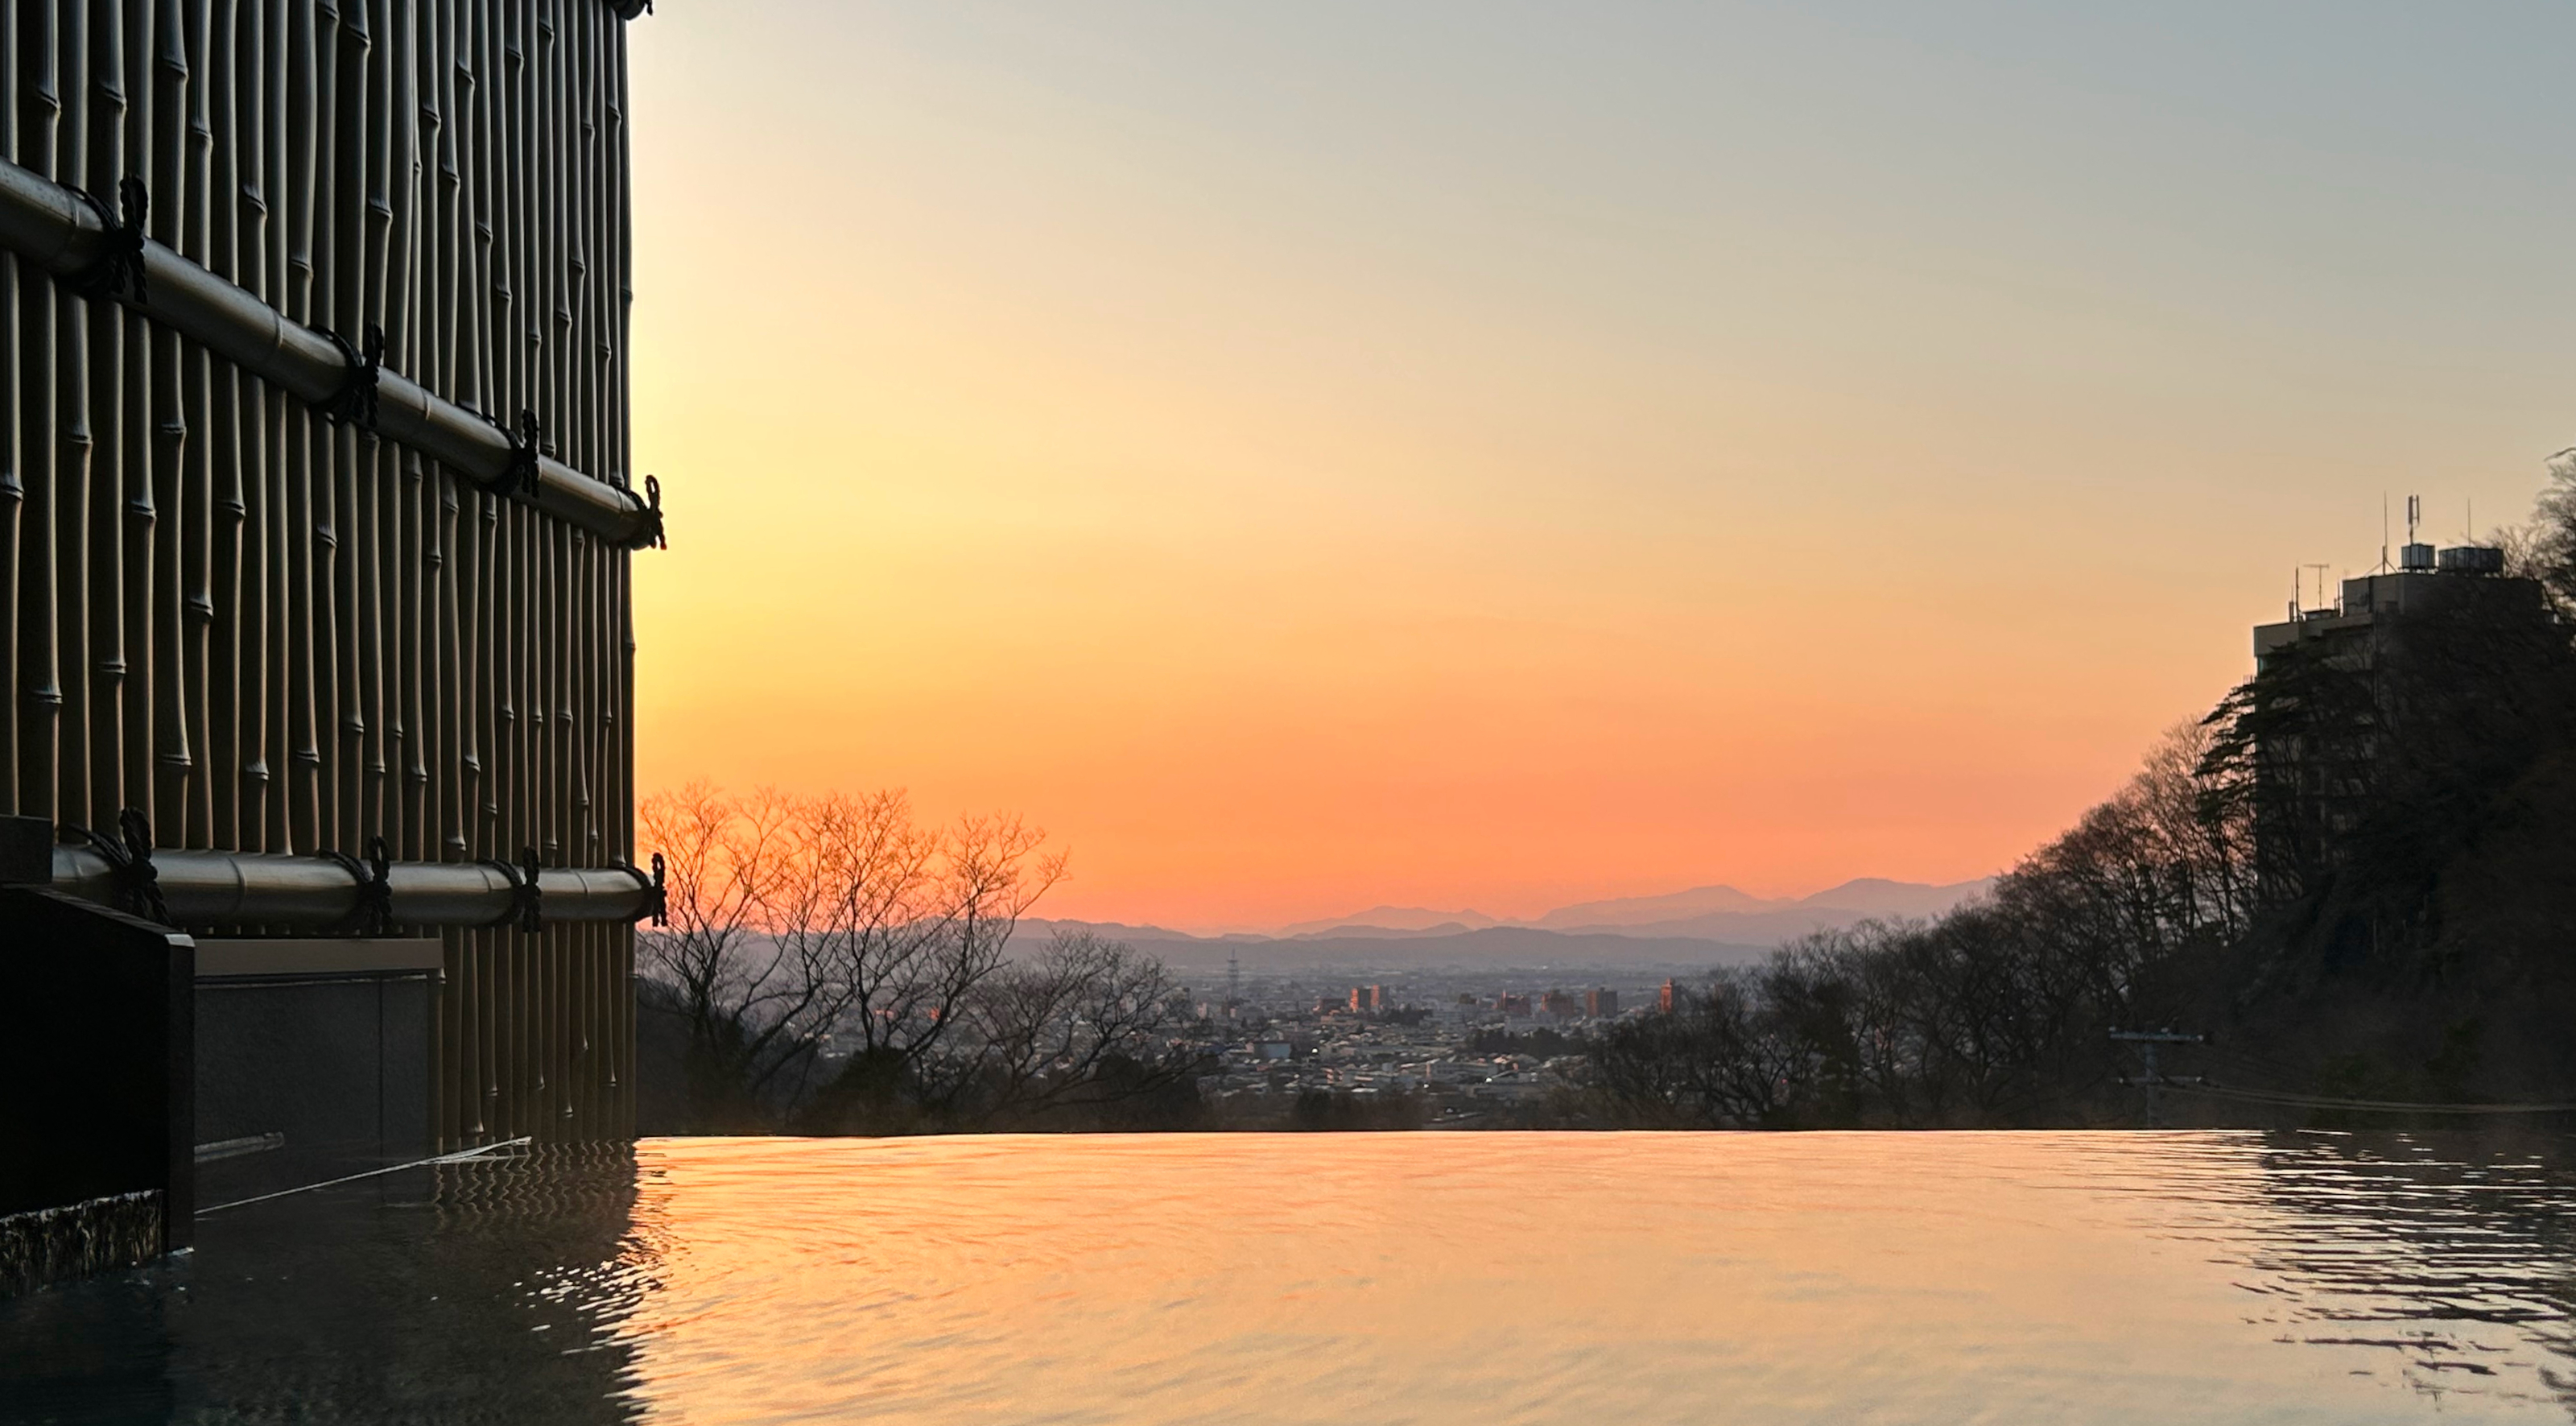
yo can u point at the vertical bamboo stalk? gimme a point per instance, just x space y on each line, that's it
121 511
358 470
620 457
172 629
490 349
470 122
338 247
513 599
409 610
38 108
72 460
271 776
440 747
546 274
229 688
24 429
298 545
545 248
202 58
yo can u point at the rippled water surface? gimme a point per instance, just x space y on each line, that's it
1364 1278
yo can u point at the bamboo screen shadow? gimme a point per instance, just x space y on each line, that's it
274 632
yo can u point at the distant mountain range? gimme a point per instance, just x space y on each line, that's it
1395 918
1701 911
1708 925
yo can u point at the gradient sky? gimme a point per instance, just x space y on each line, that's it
1492 454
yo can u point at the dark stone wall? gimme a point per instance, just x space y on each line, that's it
97 1025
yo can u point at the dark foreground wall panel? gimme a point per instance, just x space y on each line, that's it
308 1078
97 1052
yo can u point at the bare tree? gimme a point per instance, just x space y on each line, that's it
839 966
2550 551
749 1004
1086 1025
916 924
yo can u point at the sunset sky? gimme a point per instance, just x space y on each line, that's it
1497 455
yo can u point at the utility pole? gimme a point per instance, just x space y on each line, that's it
2148 1041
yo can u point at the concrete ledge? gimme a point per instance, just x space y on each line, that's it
96 1235
221 959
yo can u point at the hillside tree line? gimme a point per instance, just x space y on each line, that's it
2351 874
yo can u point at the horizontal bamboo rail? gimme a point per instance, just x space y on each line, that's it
205 888
53 226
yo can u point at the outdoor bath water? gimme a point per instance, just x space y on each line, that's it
1633 1278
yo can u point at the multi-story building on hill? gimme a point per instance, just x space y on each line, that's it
2432 641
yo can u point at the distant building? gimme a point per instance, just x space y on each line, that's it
1512 1006
2335 701
1368 999
1664 1000
1600 1004
1560 1005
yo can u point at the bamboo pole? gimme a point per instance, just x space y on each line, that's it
196 51
72 470
220 769
121 572
520 1010
16 456
266 777
339 250
177 669
301 529
38 693
617 620
407 610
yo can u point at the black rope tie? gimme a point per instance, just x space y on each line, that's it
657 897
527 899
120 248
649 506
520 477
531 897
136 887
354 404
373 912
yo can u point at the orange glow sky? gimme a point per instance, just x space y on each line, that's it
1496 455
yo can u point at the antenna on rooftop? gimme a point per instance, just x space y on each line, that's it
2383 534
2417 557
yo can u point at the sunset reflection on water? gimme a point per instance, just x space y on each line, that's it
1384 1278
